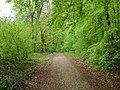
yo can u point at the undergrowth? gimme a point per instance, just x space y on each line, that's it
13 77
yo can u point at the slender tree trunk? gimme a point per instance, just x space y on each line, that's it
39 12
37 22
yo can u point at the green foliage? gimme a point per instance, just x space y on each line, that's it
89 28
19 38
15 44
12 83
15 48
82 28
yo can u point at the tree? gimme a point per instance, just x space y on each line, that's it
33 11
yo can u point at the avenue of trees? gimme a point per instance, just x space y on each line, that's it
87 28
90 28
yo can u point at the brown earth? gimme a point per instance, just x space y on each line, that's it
61 73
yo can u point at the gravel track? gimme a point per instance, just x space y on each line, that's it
60 73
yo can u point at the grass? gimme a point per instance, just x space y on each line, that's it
73 54
38 58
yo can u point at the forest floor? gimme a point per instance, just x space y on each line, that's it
62 73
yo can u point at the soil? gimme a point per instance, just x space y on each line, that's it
62 73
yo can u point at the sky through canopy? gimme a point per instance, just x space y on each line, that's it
6 9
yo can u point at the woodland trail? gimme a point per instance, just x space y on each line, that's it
61 74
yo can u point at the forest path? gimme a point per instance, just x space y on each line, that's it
66 76
61 75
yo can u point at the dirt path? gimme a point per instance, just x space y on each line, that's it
66 75
59 74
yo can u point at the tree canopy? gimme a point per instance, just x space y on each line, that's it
86 28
